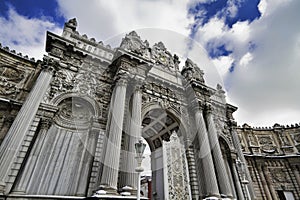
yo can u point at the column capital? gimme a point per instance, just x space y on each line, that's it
46 123
121 78
49 64
137 83
260 164
197 104
209 107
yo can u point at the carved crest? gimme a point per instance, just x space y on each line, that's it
266 144
192 71
133 43
160 55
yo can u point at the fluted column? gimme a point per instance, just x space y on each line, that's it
12 142
111 163
296 173
134 135
270 184
29 169
224 184
239 191
263 182
237 144
210 180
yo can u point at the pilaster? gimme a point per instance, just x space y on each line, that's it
263 181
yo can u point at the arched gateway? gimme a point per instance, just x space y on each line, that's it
76 131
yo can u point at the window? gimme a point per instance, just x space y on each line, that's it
285 195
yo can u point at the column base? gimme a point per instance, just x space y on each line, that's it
107 190
212 197
129 190
2 188
218 198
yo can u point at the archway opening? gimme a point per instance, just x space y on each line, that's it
158 125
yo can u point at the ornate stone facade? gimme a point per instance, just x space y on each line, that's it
68 125
274 151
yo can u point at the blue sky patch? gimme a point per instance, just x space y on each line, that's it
232 67
34 9
247 10
217 51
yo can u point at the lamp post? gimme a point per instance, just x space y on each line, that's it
139 148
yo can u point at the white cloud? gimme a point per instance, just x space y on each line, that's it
214 29
267 89
223 63
246 59
267 7
104 19
25 35
266 77
232 8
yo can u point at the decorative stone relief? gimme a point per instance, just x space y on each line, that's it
296 137
176 186
11 80
57 52
192 71
266 144
74 111
160 90
133 43
160 55
279 175
222 128
284 140
252 140
242 141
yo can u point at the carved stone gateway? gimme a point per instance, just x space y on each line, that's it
69 124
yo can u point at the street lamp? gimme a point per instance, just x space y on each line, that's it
139 149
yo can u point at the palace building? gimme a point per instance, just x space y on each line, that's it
69 124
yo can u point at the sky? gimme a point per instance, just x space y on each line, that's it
253 45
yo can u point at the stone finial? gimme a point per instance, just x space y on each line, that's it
219 87
72 24
176 61
246 126
192 71
134 44
277 125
